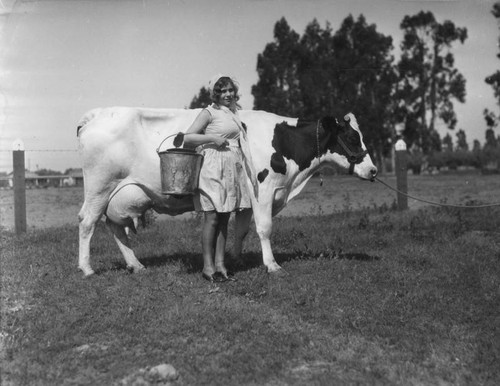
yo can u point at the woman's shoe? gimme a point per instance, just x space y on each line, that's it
219 277
208 277
216 277
230 276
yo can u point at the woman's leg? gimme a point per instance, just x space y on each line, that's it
208 242
220 243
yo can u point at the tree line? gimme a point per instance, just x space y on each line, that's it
353 69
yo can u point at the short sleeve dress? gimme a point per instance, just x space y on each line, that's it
222 185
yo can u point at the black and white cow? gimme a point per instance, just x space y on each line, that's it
121 168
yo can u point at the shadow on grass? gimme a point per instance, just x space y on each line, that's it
358 257
192 262
251 260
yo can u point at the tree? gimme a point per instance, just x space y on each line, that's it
277 89
476 146
447 143
490 155
494 79
462 141
316 71
202 100
428 80
491 141
48 172
364 78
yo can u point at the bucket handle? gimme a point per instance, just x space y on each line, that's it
181 134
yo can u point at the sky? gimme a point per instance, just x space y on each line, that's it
61 58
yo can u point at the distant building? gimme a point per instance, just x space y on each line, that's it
32 180
73 177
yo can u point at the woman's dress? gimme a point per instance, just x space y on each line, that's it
222 185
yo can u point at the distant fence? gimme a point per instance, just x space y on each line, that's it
20 179
19 184
33 179
36 181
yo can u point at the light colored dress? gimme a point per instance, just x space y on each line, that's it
222 185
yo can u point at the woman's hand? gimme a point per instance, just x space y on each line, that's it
220 141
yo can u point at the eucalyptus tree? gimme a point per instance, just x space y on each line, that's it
316 71
364 79
494 79
201 100
491 142
462 141
277 89
447 143
428 79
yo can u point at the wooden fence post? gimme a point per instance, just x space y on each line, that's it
19 184
401 173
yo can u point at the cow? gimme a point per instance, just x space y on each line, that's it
122 179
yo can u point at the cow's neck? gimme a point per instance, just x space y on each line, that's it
302 144
300 180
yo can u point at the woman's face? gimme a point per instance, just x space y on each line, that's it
227 95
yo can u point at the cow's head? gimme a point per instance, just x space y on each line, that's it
345 147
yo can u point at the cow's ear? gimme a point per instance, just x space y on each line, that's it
331 124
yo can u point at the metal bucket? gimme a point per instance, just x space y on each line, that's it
180 170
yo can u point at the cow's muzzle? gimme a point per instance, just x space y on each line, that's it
352 157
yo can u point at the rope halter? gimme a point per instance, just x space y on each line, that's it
352 157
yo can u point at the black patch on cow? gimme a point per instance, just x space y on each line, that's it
278 163
262 175
301 143
351 139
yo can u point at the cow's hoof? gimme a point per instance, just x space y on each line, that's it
280 272
87 271
136 269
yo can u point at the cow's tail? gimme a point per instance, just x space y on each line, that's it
87 117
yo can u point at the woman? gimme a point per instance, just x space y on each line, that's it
222 185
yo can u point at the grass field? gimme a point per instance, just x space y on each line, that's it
372 296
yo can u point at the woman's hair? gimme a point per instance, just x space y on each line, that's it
215 92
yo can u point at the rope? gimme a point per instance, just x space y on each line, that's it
436 203
319 153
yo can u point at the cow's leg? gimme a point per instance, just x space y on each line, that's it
122 240
242 226
262 211
88 217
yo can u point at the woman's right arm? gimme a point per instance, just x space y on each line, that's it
195 135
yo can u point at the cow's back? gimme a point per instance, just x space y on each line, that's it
119 144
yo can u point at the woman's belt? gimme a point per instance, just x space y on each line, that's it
211 145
